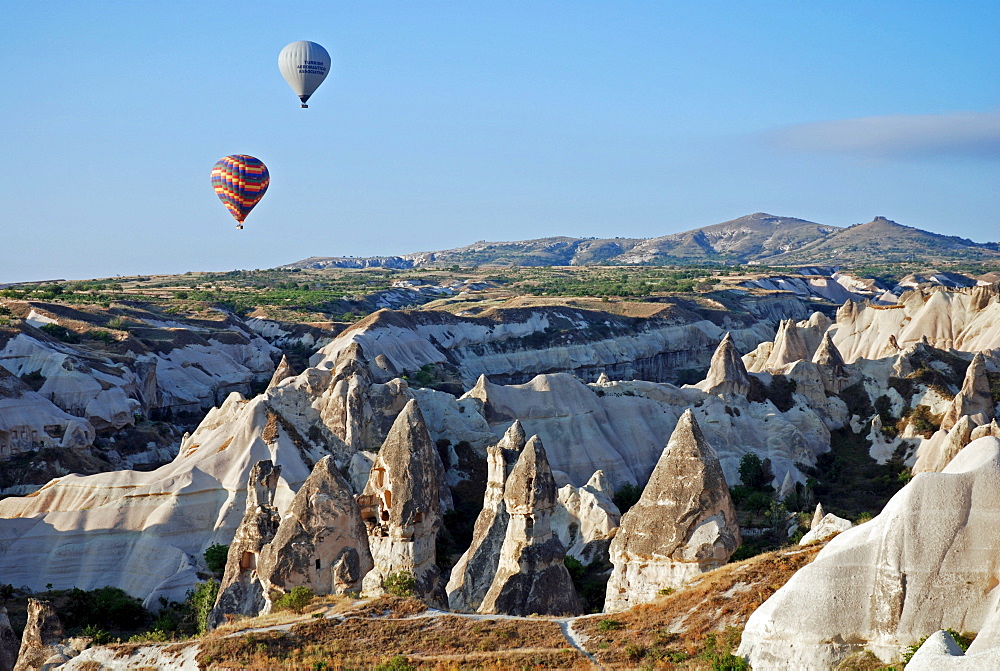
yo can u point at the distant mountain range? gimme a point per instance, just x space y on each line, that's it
758 238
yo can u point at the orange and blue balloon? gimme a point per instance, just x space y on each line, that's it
240 181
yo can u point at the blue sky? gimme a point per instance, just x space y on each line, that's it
444 123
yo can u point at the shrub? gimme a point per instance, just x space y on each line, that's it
295 600
106 607
60 333
102 335
401 584
397 663
118 324
6 593
626 497
199 602
215 558
607 625
97 635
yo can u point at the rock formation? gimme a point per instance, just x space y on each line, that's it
42 638
9 645
828 526
241 592
818 516
831 365
684 523
961 319
619 428
496 343
282 372
29 421
726 374
473 574
143 531
936 452
974 399
401 507
321 542
531 576
585 519
928 561
789 346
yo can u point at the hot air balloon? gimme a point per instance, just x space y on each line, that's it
304 65
240 181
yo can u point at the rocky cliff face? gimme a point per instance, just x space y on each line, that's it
928 561
531 576
401 507
511 346
29 421
41 643
321 542
727 376
619 427
586 519
683 525
9 645
473 574
961 319
973 400
241 592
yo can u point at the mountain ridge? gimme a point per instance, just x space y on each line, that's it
756 239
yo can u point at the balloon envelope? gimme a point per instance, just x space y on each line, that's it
240 181
304 65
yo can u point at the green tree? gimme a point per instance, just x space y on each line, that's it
215 558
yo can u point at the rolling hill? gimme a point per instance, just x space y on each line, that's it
759 238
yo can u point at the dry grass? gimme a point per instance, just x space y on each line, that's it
328 604
390 606
674 631
446 641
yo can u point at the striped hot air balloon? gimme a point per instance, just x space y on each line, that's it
240 181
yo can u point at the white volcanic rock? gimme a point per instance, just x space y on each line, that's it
531 576
829 525
500 343
963 319
727 376
934 453
928 561
143 531
620 428
831 365
683 524
990 429
401 507
29 421
789 346
973 399
817 517
940 652
166 365
585 518
173 656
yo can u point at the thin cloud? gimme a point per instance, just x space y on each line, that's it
959 134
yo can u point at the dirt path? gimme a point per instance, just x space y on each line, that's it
576 639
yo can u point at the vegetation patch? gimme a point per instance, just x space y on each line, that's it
424 642
697 626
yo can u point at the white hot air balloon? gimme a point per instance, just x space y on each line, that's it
304 65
